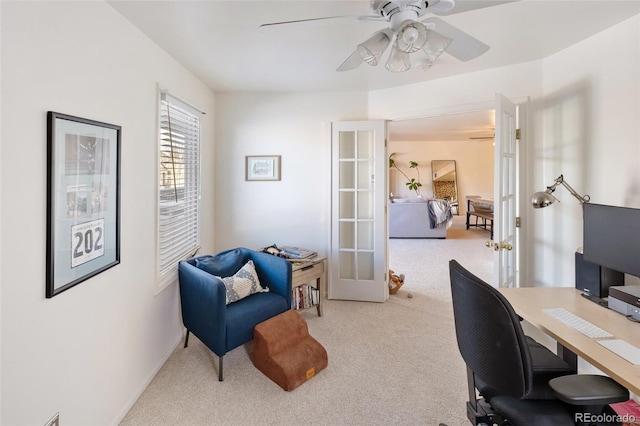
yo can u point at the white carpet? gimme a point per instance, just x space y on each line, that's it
392 363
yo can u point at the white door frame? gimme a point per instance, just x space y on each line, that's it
523 154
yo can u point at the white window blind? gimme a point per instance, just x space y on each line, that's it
179 185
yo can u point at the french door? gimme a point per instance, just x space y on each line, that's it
358 254
504 209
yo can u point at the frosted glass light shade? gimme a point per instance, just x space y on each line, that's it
398 60
436 44
372 49
422 60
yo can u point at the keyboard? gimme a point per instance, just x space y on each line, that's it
577 323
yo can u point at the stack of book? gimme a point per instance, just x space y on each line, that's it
304 296
297 252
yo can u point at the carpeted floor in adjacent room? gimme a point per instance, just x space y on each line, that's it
389 363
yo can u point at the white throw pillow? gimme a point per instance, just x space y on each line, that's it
243 283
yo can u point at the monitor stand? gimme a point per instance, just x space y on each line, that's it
595 299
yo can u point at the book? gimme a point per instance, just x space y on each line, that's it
305 296
297 252
628 412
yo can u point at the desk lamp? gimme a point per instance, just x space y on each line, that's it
545 198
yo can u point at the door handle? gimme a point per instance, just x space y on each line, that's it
499 246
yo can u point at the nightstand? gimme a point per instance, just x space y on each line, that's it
309 279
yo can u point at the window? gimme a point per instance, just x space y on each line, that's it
179 186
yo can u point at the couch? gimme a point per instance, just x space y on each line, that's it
203 298
412 218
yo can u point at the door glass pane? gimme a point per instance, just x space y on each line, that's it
365 235
347 145
347 205
347 265
365 144
365 205
347 235
365 266
347 175
365 174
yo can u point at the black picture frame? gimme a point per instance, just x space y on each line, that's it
83 200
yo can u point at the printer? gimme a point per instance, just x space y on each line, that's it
625 300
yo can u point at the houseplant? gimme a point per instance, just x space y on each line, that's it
412 183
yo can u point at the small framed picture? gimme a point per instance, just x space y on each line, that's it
262 167
83 200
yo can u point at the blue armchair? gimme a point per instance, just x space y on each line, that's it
223 327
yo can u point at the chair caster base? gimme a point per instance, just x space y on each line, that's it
484 415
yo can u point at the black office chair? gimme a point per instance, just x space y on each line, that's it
511 371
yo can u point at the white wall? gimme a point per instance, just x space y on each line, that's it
590 115
467 92
0 224
297 126
474 166
295 210
90 351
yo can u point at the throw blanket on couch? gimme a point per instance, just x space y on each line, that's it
439 213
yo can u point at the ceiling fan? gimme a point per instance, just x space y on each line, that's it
484 138
416 40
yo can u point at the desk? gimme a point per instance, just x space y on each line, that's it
529 303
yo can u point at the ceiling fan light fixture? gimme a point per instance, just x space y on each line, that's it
436 44
372 49
411 37
422 60
398 60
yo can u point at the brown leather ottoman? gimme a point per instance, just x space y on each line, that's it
285 352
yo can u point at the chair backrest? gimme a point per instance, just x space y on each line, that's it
489 335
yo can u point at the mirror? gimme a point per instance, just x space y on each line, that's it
445 182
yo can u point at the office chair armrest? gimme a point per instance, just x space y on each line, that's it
588 390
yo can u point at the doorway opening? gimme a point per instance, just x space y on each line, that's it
466 140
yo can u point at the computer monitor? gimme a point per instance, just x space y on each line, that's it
612 237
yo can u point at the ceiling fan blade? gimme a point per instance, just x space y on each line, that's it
468 5
463 47
352 62
373 18
299 21
441 7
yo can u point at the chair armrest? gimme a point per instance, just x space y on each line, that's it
273 272
588 389
204 303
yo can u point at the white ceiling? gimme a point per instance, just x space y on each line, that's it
221 43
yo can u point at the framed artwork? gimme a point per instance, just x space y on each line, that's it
262 167
83 200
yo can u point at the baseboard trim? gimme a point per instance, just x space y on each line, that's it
145 384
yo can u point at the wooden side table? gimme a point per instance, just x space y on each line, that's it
306 272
